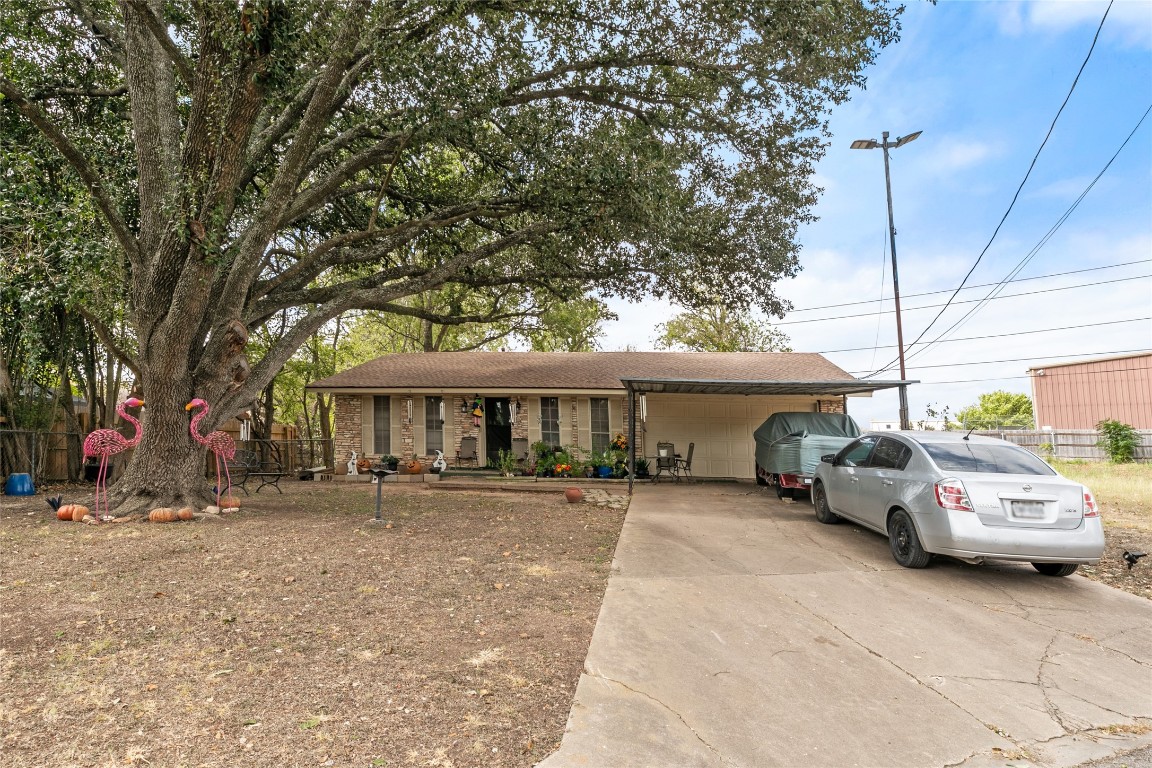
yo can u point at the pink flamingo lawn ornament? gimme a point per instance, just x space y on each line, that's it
220 443
108 442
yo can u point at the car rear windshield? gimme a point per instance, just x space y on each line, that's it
999 459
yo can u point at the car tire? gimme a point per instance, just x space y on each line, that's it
783 493
759 479
905 544
1056 569
824 512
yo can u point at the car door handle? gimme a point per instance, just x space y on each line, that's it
885 482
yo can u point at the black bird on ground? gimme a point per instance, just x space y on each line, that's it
1133 557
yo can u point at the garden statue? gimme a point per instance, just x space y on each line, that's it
352 470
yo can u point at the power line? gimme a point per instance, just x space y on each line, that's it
966 301
1023 181
999 335
1047 375
1025 359
974 287
1031 254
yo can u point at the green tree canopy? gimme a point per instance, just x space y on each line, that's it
341 156
997 409
716 328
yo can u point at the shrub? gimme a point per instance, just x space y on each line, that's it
506 462
1118 440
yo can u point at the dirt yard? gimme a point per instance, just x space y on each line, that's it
297 632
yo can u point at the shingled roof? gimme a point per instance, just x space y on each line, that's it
520 371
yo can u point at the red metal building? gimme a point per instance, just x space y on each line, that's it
1078 395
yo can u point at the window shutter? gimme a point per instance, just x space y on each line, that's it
565 421
584 424
534 421
616 418
365 427
418 426
396 446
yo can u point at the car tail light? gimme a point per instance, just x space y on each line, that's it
1090 508
950 494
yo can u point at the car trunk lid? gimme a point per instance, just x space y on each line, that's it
1025 501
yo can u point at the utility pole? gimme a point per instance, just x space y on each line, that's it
886 145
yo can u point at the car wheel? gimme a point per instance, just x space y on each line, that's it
1056 569
824 512
783 493
759 478
905 543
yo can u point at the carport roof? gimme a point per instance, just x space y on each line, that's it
702 387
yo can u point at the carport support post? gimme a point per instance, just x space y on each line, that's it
631 438
904 422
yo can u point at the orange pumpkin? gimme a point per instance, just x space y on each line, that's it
415 467
71 512
185 514
227 502
162 515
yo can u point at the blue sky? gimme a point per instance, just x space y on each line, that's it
983 81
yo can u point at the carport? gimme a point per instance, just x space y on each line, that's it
638 388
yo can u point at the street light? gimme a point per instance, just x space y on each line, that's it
886 145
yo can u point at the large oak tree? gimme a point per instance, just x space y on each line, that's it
641 147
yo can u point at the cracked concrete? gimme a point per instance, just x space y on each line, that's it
737 631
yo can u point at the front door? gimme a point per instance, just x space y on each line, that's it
497 428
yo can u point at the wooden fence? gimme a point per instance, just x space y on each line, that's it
1067 443
44 455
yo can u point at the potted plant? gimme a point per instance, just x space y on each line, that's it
641 467
506 463
390 462
603 463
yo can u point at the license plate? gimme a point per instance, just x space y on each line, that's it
1028 509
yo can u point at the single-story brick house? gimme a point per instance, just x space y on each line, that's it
410 405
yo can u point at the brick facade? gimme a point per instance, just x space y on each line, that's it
348 435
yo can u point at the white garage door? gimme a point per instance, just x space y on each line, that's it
721 426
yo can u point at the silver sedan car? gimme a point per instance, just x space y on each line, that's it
969 497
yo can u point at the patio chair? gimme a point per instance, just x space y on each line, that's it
666 463
520 449
684 466
467 452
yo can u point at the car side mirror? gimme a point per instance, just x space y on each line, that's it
828 458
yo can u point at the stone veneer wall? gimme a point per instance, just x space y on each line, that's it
348 436
830 406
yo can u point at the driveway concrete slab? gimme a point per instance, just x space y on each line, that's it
736 630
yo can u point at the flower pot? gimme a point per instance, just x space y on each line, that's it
604 472
573 495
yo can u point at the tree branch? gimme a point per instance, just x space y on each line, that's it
183 68
93 181
108 339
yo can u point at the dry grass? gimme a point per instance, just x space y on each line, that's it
298 633
1124 491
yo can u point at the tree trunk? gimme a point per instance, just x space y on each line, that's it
324 417
167 467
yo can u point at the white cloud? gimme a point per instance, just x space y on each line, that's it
1129 21
949 154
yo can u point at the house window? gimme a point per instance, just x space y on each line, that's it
433 425
550 420
381 424
601 437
